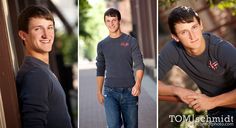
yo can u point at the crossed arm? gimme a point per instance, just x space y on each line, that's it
195 100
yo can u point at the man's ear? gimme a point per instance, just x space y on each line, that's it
22 35
175 37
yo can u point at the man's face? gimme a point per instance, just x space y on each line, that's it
190 35
40 36
112 23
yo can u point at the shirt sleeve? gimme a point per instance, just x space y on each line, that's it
34 99
166 59
137 56
100 61
227 55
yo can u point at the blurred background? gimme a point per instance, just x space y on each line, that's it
218 17
138 18
63 58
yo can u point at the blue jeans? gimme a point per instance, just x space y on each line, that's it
121 107
226 118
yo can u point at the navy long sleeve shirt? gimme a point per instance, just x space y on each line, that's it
116 58
41 97
214 71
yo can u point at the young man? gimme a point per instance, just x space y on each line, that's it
41 97
115 57
206 58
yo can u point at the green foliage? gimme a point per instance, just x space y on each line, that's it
89 51
164 4
84 8
224 4
221 4
68 47
187 111
95 28
194 121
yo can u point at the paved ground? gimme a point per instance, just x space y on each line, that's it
91 113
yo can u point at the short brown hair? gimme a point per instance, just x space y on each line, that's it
181 14
33 11
113 13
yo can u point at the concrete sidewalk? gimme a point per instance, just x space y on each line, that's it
91 113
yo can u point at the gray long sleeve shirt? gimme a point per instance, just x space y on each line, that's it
115 58
41 97
214 71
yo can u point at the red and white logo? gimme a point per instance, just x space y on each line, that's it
124 44
213 65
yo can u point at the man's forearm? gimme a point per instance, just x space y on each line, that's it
100 81
164 89
139 76
224 99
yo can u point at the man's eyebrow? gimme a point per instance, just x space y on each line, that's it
192 26
36 26
196 24
51 25
41 25
182 30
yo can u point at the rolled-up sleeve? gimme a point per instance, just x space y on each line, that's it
100 61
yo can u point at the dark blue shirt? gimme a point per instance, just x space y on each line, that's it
214 71
115 58
41 98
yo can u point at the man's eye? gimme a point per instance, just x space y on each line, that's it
51 27
36 29
184 32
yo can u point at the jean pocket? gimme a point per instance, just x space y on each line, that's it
107 90
131 100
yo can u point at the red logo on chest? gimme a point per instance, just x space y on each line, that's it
213 65
124 44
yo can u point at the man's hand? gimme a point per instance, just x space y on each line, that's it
136 89
183 94
201 102
100 80
100 98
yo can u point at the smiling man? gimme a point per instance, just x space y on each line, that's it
115 57
41 97
205 58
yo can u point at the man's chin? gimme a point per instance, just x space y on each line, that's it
47 50
113 30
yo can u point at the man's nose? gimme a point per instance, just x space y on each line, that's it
112 22
45 33
192 35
